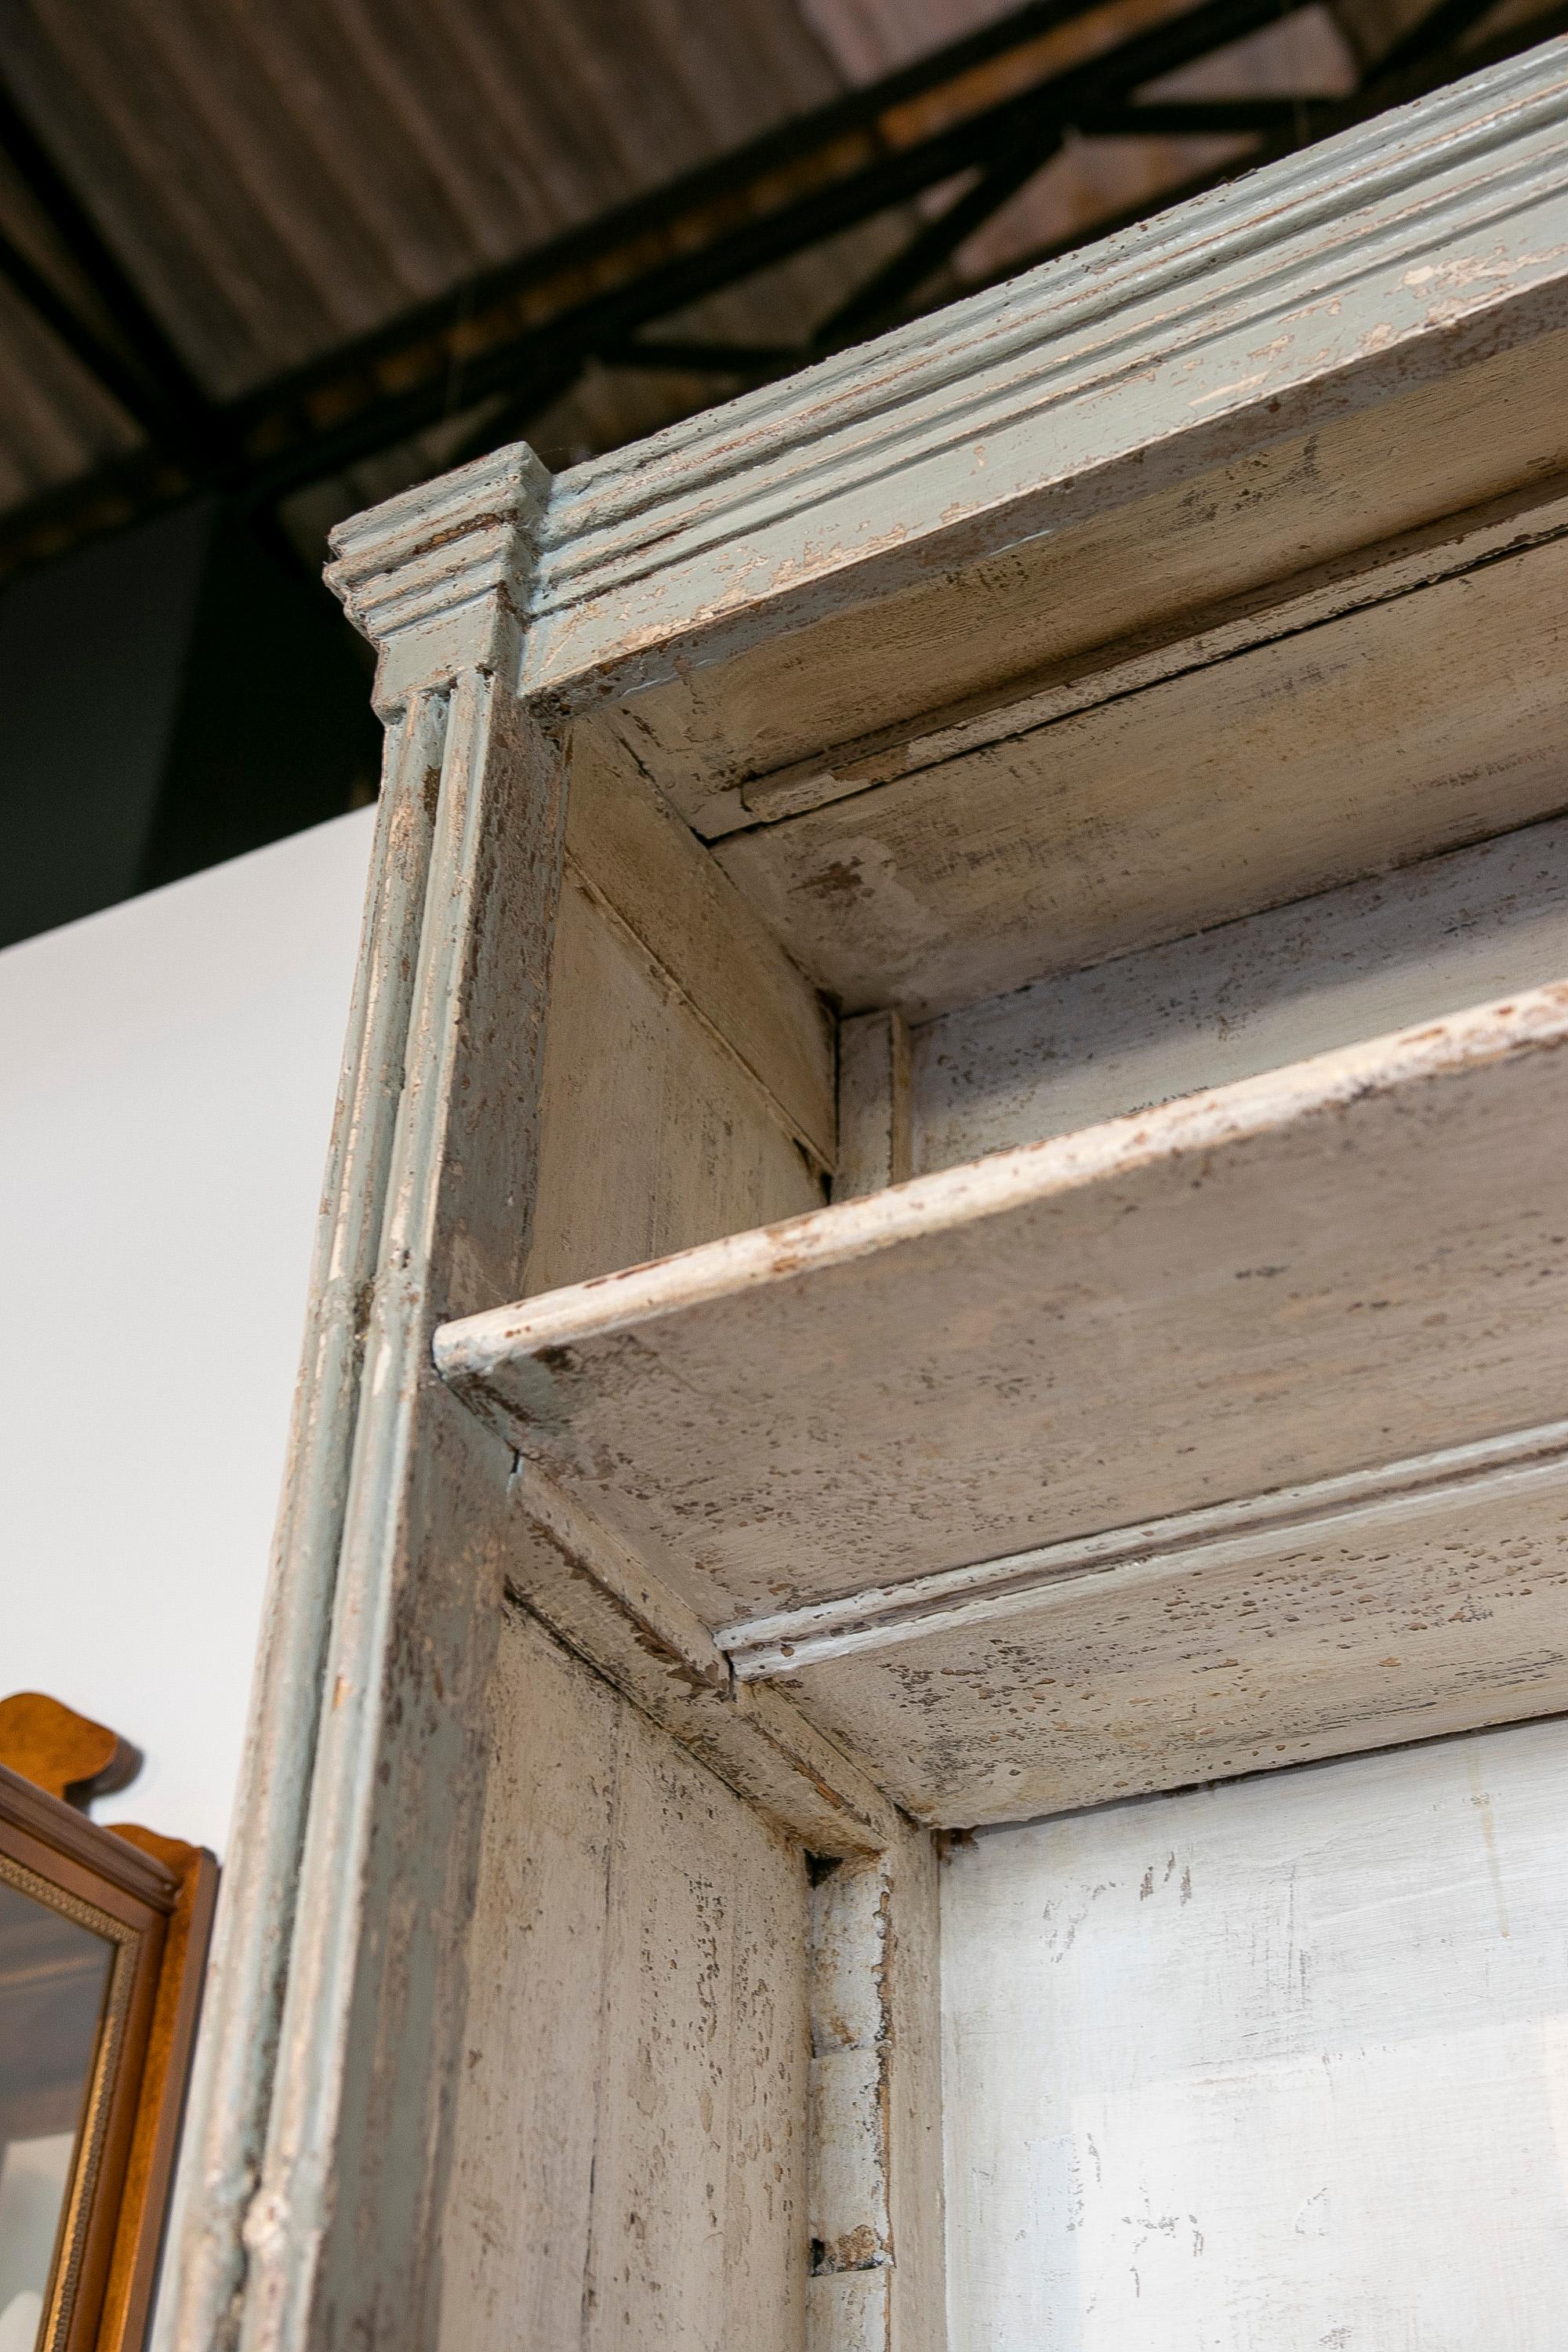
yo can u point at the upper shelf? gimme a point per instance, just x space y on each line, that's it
1338 1279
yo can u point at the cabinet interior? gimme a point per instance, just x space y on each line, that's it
994 1252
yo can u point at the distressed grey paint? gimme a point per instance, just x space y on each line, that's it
1301 299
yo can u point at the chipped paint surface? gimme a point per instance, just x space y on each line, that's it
1276 2063
1152 1677
1142 1317
880 468
1082 1334
876 2103
1241 997
1343 746
990 1248
630 2151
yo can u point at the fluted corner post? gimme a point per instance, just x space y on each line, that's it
313 2171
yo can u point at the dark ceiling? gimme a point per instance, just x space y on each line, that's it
298 254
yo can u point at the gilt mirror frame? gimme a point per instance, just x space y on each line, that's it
124 2051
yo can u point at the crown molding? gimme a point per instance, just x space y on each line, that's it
1371 258
1388 1498
1360 267
440 577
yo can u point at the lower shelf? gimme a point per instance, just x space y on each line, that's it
1220 1436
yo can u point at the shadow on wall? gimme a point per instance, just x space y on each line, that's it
168 700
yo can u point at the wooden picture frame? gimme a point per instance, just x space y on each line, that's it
97 2048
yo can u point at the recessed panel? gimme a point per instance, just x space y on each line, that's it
1437 718
1273 2067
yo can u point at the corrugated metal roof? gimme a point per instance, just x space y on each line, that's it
1305 53
278 175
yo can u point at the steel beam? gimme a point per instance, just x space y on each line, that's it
522 333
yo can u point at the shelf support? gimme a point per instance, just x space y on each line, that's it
874 1128
875 2194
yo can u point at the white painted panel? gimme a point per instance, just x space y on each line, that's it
1282 2063
167 1070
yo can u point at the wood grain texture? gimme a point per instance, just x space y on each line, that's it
1370 741
594 1595
1391 1503
232 2080
652 1137
349 2201
315 2171
65 1753
946 1373
630 2147
629 848
1246 997
1135 577
1357 344
1277 2064
1298 363
1228 1295
1206 630
1151 1678
1281 304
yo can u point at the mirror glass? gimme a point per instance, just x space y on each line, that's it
54 1980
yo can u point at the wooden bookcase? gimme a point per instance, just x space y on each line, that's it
947 1204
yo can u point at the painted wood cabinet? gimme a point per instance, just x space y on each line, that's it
948 1206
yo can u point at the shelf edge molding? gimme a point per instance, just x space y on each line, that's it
1135 1559
512 1364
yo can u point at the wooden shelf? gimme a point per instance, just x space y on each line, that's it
1116 1460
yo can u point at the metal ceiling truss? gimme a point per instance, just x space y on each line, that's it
984 111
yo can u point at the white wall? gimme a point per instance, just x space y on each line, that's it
1267 2067
167 1073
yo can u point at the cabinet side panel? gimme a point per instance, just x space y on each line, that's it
517 2217
630 2157
654 1135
